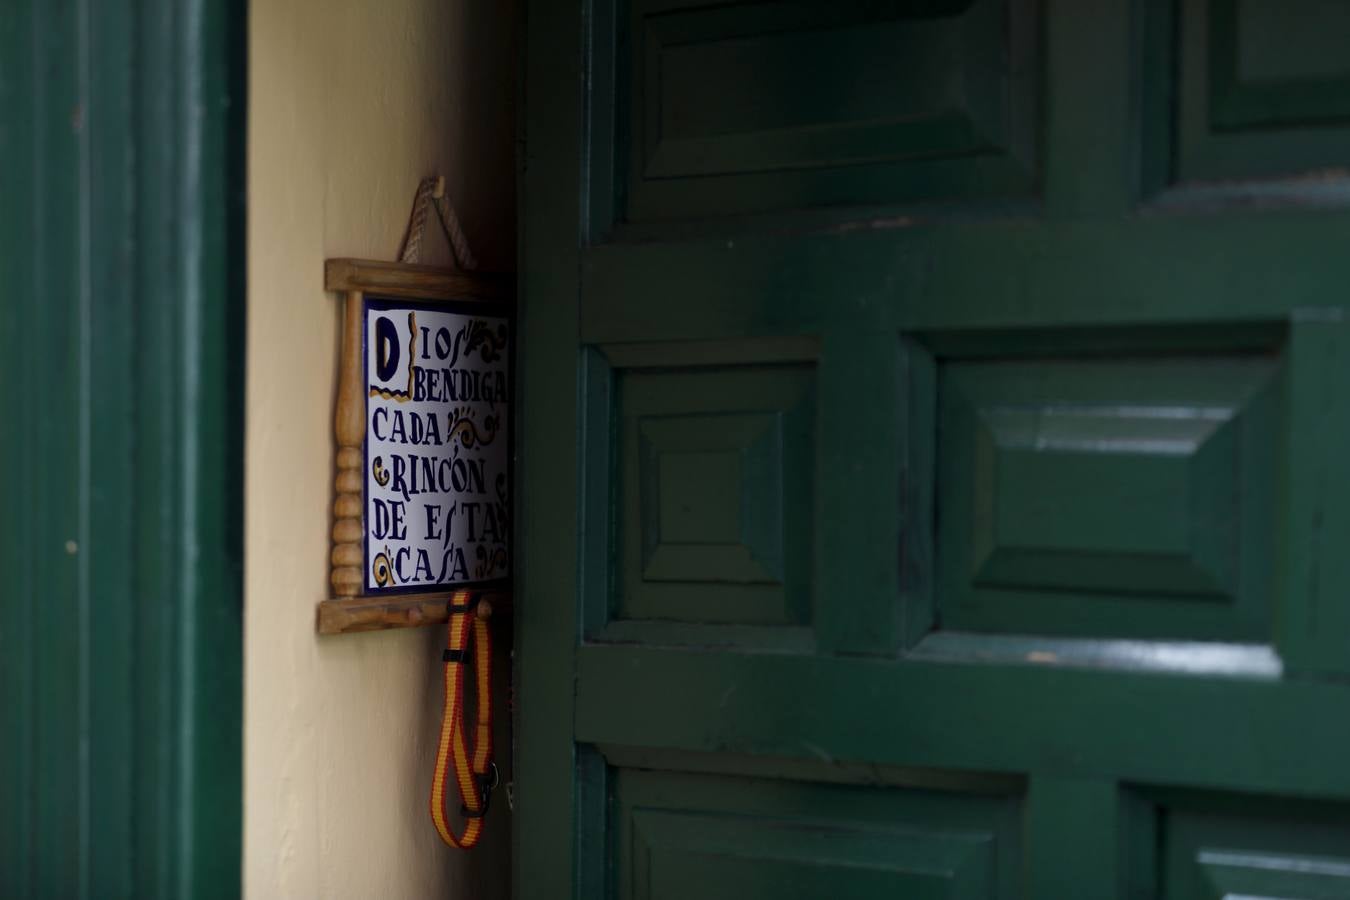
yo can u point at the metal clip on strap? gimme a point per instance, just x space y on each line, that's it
486 782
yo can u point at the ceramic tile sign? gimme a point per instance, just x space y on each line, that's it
437 447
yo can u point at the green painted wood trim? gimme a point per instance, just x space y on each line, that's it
121 253
1313 622
935 278
550 459
987 717
44 788
1073 838
859 524
1091 115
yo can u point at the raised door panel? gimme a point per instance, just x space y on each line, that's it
735 857
724 838
750 107
1221 848
715 488
1126 497
1261 92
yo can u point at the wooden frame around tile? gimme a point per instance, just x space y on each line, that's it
349 608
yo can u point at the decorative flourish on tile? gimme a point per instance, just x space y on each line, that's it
470 435
482 336
489 562
382 570
380 473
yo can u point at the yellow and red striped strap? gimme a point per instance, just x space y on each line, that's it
471 769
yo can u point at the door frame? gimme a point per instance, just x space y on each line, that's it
121 252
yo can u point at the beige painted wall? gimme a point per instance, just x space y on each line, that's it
350 103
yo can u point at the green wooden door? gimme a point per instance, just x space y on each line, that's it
121 350
936 475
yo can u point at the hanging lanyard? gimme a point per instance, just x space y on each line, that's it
474 773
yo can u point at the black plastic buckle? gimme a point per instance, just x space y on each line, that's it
458 656
486 782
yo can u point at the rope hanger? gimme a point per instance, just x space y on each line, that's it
431 194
